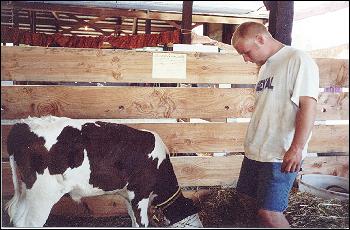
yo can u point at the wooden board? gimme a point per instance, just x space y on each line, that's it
98 65
333 72
124 102
213 171
225 137
333 106
329 165
145 102
106 65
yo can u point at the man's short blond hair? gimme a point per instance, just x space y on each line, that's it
248 30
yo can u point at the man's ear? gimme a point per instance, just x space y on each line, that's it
260 39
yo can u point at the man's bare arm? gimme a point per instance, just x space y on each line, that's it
304 123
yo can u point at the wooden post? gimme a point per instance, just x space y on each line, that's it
281 20
205 29
15 23
57 19
186 25
148 26
118 26
57 28
227 30
134 26
32 19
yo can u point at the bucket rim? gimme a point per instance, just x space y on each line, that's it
346 195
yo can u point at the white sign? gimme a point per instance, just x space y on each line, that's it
169 65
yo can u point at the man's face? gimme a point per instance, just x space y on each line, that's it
250 51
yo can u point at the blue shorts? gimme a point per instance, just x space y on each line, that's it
265 182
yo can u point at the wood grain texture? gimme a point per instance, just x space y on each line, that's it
333 106
96 65
105 65
125 102
145 102
333 72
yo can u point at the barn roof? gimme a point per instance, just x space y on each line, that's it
234 8
94 18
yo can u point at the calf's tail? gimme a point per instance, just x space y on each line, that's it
11 205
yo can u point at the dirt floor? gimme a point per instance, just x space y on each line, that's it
223 209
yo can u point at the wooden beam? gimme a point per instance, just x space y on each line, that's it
15 18
35 64
186 24
83 23
211 171
146 102
205 29
125 102
57 21
134 26
223 137
118 26
148 26
56 16
32 18
15 22
65 64
281 20
174 24
227 30
77 25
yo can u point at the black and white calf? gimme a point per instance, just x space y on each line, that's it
55 156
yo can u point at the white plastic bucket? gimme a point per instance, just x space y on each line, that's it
325 186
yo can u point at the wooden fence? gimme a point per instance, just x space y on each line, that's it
67 65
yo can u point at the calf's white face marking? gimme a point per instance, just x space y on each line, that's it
143 205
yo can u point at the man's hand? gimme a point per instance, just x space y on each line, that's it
304 122
291 161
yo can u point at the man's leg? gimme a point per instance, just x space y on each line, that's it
247 187
272 219
247 180
272 196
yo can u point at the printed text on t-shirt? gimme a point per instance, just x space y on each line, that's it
264 84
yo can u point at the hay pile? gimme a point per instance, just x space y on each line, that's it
308 211
223 209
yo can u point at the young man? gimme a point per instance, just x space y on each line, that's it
280 127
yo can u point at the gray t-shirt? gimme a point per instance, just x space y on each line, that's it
287 75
